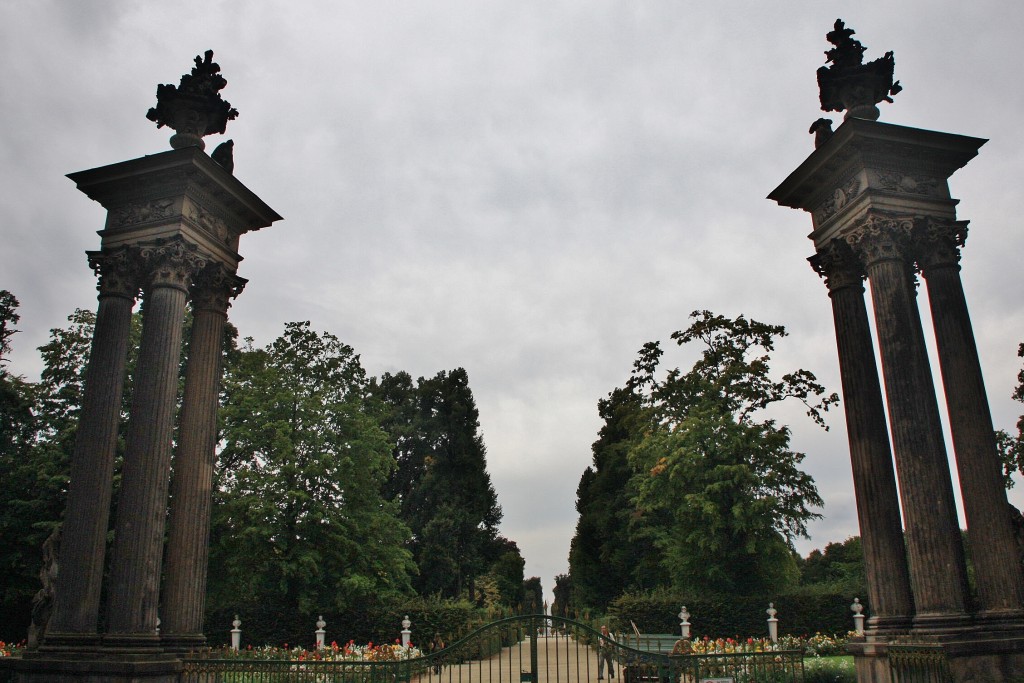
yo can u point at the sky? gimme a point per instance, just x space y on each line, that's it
528 190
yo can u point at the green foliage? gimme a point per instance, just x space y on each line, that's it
376 620
562 606
829 670
296 508
801 612
1011 447
718 488
533 596
441 481
840 568
606 557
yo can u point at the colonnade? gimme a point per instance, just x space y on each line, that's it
929 589
174 221
879 200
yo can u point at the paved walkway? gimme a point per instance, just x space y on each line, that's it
560 659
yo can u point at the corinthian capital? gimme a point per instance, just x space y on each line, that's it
116 271
214 287
881 237
937 242
171 262
840 267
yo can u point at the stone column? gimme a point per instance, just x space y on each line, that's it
191 486
874 480
937 571
990 529
142 503
84 533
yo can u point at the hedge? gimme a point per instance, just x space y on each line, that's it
802 613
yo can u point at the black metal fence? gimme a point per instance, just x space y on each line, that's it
528 649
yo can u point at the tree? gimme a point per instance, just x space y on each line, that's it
606 557
441 480
719 487
1011 447
563 606
24 508
533 596
299 519
840 567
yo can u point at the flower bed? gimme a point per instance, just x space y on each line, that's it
818 645
11 649
350 652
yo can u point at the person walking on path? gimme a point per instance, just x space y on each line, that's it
604 654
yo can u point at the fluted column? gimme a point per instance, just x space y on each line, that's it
997 570
84 533
874 480
142 503
191 486
937 570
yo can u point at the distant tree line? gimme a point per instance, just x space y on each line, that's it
333 490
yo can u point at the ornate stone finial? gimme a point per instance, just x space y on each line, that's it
849 84
194 108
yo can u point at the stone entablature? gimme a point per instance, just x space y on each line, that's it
870 166
176 193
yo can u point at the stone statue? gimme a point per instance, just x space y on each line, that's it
822 130
224 155
42 601
194 108
850 85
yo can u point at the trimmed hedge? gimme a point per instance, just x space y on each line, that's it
802 613
371 621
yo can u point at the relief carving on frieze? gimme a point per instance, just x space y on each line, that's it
899 182
141 212
215 226
841 196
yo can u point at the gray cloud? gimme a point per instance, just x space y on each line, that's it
528 190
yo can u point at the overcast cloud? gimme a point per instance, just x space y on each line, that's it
530 190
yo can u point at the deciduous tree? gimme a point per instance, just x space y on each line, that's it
720 488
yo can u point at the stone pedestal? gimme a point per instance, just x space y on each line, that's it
173 226
878 194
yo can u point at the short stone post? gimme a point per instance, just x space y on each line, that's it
406 633
858 618
236 634
684 624
320 632
773 623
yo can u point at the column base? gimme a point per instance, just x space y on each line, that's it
968 650
182 643
56 641
99 666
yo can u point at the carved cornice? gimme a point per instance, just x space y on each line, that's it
839 266
171 262
117 272
938 242
880 237
214 287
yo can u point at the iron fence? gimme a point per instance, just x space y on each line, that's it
531 649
